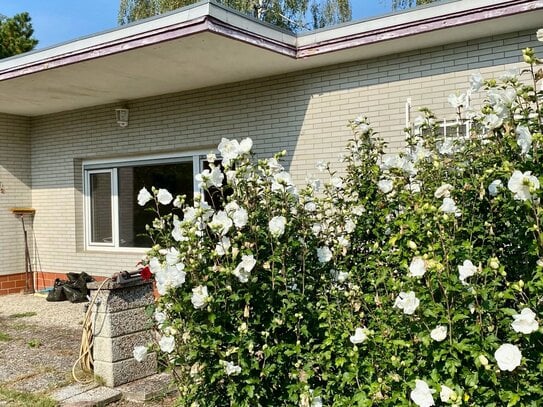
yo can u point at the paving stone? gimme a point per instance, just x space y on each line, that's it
149 388
97 397
72 390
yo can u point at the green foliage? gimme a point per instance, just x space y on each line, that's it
4 337
24 399
288 14
34 343
403 4
16 35
413 272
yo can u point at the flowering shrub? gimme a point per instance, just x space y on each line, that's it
415 277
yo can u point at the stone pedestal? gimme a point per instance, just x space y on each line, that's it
120 324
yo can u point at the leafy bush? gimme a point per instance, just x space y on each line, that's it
411 274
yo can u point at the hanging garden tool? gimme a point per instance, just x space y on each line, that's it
29 275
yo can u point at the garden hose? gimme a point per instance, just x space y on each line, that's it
85 361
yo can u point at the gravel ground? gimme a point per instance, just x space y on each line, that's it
62 314
39 343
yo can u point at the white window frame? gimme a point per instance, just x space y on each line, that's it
88 205
90 167
453 126
445 124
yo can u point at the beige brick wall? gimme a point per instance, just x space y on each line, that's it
305 113
15 179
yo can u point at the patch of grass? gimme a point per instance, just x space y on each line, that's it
23 314
99 380
24 399
34 343
4 337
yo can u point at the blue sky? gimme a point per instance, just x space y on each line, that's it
57 21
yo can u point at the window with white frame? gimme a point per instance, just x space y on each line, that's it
455 129
113 218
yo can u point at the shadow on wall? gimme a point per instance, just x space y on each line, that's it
15 179
280 112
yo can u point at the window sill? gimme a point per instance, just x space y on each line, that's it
116 250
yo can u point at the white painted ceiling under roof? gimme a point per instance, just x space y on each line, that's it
206 45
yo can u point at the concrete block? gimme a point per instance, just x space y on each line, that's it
114 374
117 300
121 323
97 397
107 349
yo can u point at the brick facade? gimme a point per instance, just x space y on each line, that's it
12 283
15 191
305 113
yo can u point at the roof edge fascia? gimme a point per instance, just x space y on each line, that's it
404 29
207 16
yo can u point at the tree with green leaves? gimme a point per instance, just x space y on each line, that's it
403 4
288 14
16 35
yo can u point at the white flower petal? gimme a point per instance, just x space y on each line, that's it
140 353
199 297
164 197
525 322
144 196
422 394
439 333
508 357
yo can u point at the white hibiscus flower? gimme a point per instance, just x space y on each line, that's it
144 196
167 344
523 185
324 254
277 225
467 269
408 302
494 187
360 335
439 333
508 357
164 196
199 296
140 353
525 322
243 270
417 268
422 394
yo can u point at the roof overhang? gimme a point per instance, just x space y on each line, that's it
207 44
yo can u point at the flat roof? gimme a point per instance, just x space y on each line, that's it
207 44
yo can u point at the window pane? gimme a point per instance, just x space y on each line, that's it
453 129
100 206
176 178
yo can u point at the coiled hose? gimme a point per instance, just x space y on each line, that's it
85 361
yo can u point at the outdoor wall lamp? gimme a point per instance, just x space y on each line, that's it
122 117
